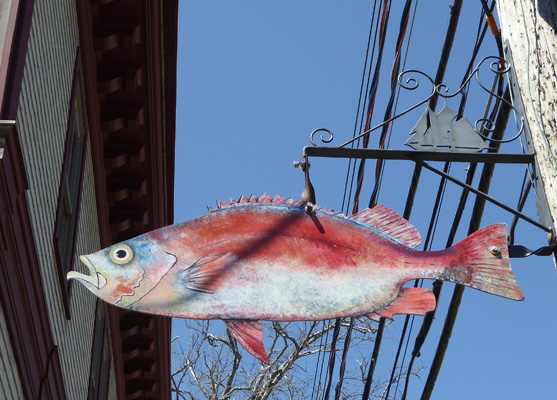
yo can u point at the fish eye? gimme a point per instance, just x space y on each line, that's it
121 254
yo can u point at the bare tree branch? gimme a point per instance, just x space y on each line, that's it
208 363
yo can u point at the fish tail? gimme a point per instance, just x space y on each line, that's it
486 265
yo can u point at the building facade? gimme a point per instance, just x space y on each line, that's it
88 98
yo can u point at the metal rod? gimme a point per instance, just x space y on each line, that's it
413 155
484 196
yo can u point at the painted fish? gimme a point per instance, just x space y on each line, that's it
268 259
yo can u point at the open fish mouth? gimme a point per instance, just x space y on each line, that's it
96 279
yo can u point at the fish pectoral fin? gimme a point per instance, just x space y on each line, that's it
250 335
415 301
206 273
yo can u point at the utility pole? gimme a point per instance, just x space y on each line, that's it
528 32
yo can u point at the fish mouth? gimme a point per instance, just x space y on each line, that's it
96 279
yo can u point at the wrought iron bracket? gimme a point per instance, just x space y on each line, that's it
516 251
413 155
460 152
420 157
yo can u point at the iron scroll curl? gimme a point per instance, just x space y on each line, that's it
323 140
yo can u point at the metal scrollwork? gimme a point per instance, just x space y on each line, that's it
413 83
328 140
482 126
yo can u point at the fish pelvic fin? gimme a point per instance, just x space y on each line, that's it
414 301
486 263
250 335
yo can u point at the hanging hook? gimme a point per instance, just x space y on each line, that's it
308 194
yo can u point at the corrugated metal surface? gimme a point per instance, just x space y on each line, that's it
10 386
42 122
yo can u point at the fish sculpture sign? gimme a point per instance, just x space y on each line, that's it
269 259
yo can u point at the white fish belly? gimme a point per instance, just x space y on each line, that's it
281 294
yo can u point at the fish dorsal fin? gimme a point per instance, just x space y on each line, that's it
392 224
250 335
206 273
265 199
414 301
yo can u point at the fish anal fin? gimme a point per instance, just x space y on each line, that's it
206 273
414 301
392 224
374 316
250 335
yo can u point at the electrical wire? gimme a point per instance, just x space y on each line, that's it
493 26
445 53
319 364
372 95
371 99
373 361
332 358
380 180
457 295
426 325
338 389
388 112
446 50
345 197
447 46
475 221
360 105
382 321
379 168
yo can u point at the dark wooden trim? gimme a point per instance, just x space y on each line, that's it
100 333
169 83
170 46
66 286
89 64
163 327
132 133
113 317
21 290
13 59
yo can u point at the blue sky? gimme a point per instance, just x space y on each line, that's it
256 77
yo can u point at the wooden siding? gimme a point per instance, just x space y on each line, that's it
42 123
10 385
